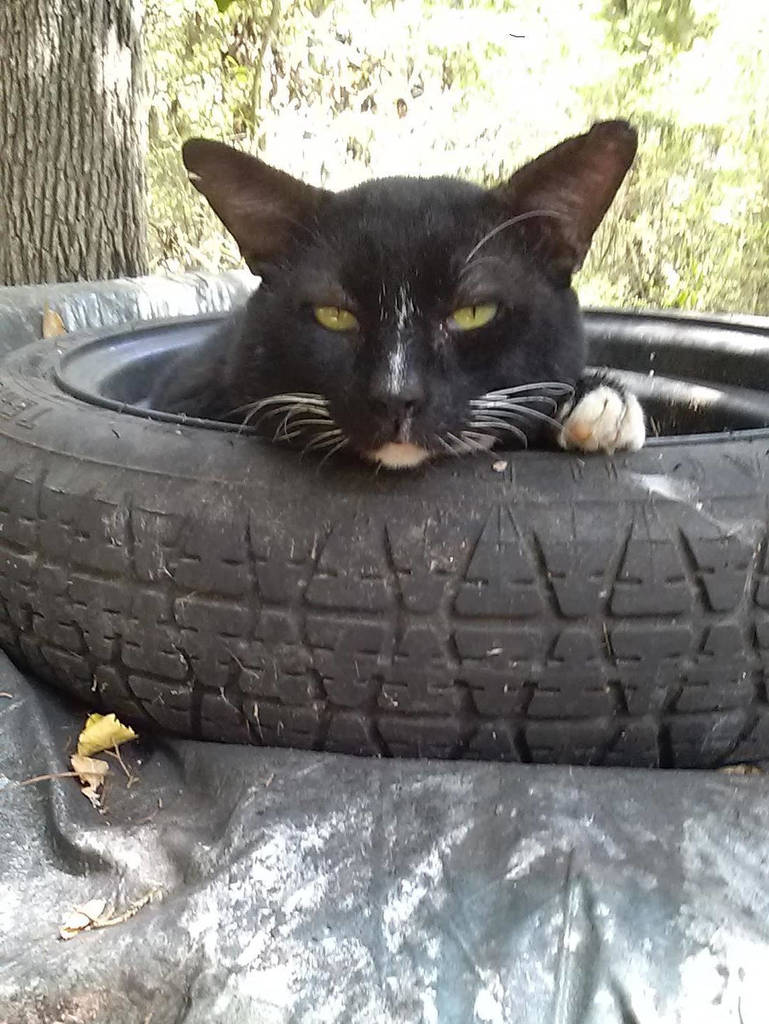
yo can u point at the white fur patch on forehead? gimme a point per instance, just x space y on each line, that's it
396 369
404 311
403 455
404 307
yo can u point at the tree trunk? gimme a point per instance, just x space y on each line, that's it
72 140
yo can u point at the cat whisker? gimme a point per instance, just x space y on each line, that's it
488 420
323 440
468 267
481 442
260 419
308 422
446 446
241 408
464 447
280 410
337 447
299 429
472 446
293 398
542 417
521 413
288 411
299 426
557 387
287 399
511 428
283 426
508 224
282 429
247 420
525 400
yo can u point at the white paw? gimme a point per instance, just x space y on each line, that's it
604 421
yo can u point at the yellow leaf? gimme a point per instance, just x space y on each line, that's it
103 732
53 325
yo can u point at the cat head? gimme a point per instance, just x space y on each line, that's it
408 317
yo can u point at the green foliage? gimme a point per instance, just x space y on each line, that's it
340 91
691 228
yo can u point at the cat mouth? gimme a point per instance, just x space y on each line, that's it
398 455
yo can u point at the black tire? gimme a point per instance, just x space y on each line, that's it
587 610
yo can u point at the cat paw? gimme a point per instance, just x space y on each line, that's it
604 419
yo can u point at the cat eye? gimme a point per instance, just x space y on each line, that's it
467 318
335 318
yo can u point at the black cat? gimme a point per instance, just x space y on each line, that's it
408 318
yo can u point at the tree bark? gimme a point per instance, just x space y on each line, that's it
72 140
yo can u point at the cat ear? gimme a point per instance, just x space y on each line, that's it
572 185
261 207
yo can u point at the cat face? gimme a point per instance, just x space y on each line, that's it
410 317
389 315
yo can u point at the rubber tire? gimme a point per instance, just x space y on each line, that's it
584 610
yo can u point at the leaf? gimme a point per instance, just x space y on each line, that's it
53 325
93 914
94 798
91 772
224 5
103 732
82 918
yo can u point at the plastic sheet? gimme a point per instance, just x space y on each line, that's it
295 886
115 302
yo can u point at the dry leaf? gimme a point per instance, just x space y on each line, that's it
53 325
93 915
82 918
103 732
131 909
94 797
91 772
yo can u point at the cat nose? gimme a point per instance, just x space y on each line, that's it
397 397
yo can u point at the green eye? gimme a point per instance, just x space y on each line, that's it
334 318
467 318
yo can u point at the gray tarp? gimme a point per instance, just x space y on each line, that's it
313 887
302 887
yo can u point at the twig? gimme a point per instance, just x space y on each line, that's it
115 752
8 695
45 778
